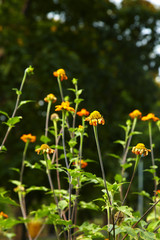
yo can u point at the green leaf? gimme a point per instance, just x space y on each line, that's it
79 92
135 133
132 232
3 149
62 204
78 101
88 205
120 142
24 102
126 210
36 188
72 142
118 178
7 200
45 139
4 113
126 165
17 91
114 155
34 166
63 222
12 121
142 193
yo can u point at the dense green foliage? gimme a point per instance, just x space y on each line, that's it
109 49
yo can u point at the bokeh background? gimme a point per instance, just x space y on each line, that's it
113 51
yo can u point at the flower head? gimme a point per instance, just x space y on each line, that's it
83 112
54 117
150 116
60 73
82 163
157 192
140 149
2 214
28 138
64 106
95 118
135 114
44 149
50 98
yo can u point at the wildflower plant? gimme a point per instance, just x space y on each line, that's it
61 157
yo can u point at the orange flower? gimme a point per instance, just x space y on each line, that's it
64 106
82 163
150 116
135 114
2 214
83 112
140 149
28 138
157 192
95 118
50 98
44 149
60 73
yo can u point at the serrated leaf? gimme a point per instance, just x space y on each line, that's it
12 121
7 200
126 210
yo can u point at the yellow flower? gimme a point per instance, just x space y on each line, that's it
150 116
95 118
83 112
60 73
50 98
64 106
44 149
135 114
140 149
28 137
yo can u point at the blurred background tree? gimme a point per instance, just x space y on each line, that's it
109 48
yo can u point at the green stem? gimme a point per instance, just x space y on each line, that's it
126 152
23 159
152 155
140 186
69 176
101 162
15 108
56 145
103 175
47 117
60 88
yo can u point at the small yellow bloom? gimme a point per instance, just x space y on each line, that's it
135 114
50 98
60 73
95 118
150 116
64 106
2 214
44 149
140 149
28 137
83 112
